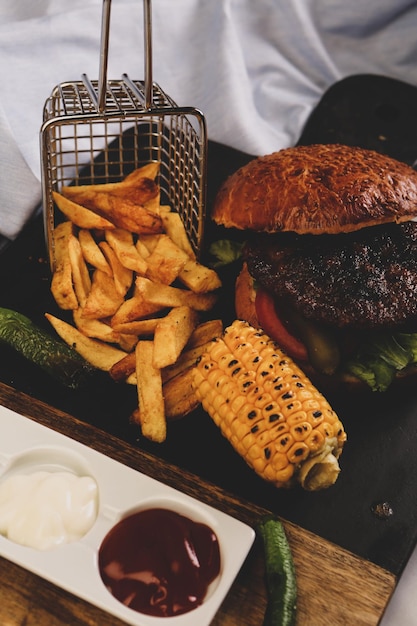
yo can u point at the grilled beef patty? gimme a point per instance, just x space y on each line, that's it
361 280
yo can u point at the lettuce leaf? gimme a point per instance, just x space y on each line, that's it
224 252
379 358
409 341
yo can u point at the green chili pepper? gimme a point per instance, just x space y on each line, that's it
52 355
279 574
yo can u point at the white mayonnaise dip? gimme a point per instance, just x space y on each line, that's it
44 509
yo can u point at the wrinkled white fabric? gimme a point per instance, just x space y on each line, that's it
255 69
18 183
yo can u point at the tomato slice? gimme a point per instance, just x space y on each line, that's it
272 324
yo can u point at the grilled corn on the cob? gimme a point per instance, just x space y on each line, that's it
269 410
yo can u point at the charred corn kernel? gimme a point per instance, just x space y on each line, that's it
315 441
301 431
269 410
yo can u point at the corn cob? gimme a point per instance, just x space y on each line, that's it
269 410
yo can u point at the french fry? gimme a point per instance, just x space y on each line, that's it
100 355
166 261
149 170
139 328
98 329
204 332
62 287
149 242
61 236
80 215
175 229
200 339
137 191
199 278
187 359
172 334
95 328
80 275
121 370
139 195
92 252
76 192
124 248
120 211
132 379
133 309
128 318
125 369
151 412
141 248
154 204
168 296
127 341
179 395
104 298
122 276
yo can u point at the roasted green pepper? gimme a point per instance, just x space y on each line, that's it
36 345
280 577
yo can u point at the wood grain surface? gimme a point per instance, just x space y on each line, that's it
335 587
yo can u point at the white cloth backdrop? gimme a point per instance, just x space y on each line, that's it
256 69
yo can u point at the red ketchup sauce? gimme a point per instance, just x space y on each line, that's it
159 562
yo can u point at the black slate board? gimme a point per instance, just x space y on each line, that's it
369 111
378 464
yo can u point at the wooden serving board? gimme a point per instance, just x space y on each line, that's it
335 587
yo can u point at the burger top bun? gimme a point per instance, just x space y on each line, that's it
316 189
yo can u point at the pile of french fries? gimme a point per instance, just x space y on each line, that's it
126 270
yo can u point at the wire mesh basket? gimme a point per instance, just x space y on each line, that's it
97 131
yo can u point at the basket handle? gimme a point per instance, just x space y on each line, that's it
104 53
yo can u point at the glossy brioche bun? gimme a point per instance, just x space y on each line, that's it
316 189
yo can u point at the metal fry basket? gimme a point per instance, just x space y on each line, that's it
97 131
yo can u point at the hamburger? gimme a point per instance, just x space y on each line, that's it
329 260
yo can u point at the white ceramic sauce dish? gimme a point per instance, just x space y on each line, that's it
27 447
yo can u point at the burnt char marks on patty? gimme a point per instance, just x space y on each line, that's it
361 280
